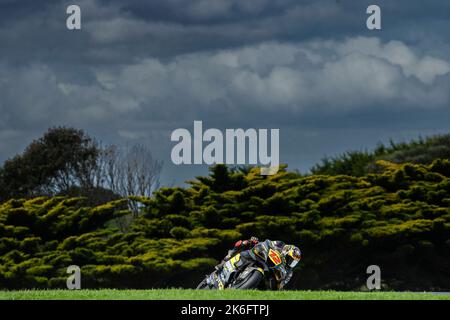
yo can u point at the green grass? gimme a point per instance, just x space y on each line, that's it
180 294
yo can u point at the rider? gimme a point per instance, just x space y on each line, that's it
291 254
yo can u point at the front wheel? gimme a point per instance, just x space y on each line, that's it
251 282
203 285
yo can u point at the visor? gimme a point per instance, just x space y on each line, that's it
293 263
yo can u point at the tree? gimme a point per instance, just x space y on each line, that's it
129 171
66 161
61 158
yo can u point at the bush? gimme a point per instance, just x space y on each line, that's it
399 217
179 232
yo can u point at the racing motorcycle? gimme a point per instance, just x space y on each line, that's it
262 267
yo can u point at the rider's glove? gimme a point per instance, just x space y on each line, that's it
254 240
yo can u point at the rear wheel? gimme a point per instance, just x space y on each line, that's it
251 282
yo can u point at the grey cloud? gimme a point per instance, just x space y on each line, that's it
352 74
315 77
122 32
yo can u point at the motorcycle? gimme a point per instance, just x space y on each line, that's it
248 269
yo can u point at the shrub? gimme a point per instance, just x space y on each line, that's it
339 222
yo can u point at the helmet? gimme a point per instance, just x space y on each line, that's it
292 255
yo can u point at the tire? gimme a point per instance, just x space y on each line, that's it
252 281
203 285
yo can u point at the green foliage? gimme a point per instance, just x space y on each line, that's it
52 162
398 218
360 163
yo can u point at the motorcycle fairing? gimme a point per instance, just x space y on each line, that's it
275 257
228 268
260 251
249 269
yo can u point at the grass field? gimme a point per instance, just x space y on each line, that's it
180 294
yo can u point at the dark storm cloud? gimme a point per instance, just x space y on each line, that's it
117 31
139 69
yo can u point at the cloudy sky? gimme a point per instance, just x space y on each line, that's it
140 69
